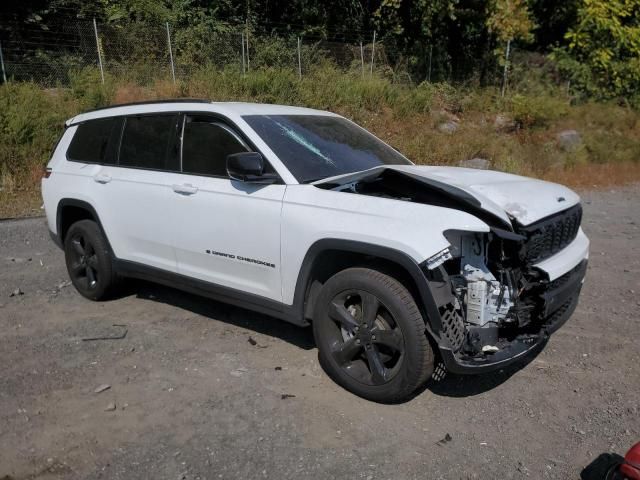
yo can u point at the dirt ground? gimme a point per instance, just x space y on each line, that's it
203 390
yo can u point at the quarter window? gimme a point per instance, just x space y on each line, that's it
149 142
206 144
96 141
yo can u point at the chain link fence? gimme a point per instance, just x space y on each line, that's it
143 52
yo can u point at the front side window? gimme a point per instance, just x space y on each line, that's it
149 141
314 147
96 141
205 145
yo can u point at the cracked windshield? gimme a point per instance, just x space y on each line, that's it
314 147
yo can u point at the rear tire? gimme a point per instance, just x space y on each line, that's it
371 336
89 261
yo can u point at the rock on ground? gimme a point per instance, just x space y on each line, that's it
479 163
569 140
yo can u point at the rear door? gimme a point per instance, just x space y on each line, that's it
137 193
226 232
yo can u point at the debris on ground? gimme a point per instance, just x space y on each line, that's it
239 372
17 292
111 406
102 388
284 396
253 342
447 438
278 368
110 337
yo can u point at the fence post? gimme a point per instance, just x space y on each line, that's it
4 72
173 68
247 43
506 68
243 68
373 51
299 60
362 58
429 71
95 30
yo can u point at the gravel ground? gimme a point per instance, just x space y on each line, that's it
198 389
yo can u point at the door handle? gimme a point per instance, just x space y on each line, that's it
185 189
101 178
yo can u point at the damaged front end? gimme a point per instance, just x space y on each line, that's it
495 305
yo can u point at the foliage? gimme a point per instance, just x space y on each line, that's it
602 57
537 111
510 20
596 43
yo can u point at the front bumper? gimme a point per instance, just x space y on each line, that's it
560 301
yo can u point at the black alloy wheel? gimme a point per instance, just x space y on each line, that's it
371 335
88 260
84 262
365 339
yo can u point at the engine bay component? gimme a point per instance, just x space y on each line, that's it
487 299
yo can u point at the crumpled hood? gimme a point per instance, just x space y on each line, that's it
525 199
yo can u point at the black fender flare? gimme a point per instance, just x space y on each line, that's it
433 321
74 202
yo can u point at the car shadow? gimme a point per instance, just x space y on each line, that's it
470 385
240 317
451 386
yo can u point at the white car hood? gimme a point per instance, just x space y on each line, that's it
505 195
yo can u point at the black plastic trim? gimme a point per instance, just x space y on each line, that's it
555 298
216 292
73 202
426 300
519 350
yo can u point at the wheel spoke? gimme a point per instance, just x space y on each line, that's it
376 367
389 338
370 306
92 261
344 352
77 269
340 314
77 246
91 277
88 249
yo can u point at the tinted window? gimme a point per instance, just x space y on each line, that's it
150 142
320 146
96 141
205 146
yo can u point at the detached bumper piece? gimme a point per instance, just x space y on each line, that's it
556 303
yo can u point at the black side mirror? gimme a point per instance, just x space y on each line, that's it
248 167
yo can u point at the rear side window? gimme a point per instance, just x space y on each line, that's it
96 141
206 144
150 142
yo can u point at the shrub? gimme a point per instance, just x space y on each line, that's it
537 111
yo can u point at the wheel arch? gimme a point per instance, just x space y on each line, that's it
327 257
72 210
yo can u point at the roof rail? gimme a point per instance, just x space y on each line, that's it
151 102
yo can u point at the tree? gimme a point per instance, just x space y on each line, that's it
509 20
602 57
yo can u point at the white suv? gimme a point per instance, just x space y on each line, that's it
305 216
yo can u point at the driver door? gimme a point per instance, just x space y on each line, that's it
226 232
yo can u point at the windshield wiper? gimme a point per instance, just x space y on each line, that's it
315 179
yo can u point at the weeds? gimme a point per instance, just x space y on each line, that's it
407 117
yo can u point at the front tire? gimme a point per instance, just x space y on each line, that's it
89 261
371 336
